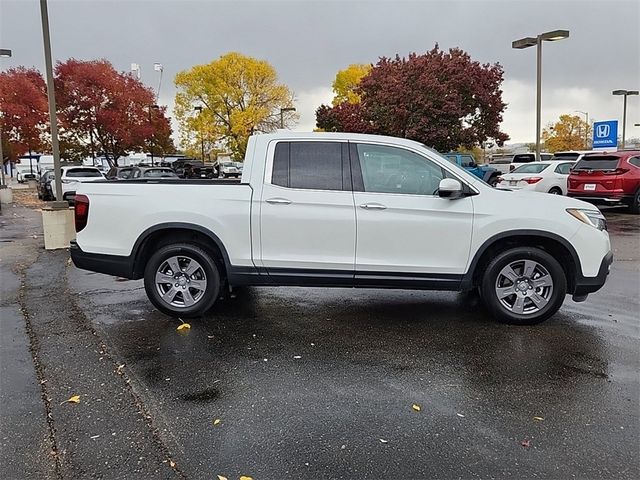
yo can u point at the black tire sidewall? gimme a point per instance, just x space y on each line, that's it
199 254
555 189
487 286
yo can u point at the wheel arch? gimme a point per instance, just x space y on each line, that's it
171 232
553 244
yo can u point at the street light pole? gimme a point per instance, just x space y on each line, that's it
152 107
537 42
586 132
625 94
4 52
199 110
282 110
51 94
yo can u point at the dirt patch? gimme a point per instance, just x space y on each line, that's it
27 197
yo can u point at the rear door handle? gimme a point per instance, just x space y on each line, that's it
373 206
278 201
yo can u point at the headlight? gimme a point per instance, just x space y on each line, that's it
590 217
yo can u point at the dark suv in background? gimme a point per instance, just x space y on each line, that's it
607 179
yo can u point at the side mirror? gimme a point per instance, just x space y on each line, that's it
450 188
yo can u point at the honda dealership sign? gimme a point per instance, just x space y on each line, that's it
605 134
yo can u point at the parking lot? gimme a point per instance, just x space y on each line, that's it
311 383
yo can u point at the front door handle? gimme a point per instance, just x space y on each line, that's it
278 201
373 206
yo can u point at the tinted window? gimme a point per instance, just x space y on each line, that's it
308 165
83 172
536 167
634 161
597 162
523 158
566 156
125 173
395 170
564 168
467 160
159 172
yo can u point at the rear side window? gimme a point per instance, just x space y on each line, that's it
523 158
533 168
309 165
566 156
598 162
634 161
83 172
564 168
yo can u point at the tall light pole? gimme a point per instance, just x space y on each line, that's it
625 94
153 132
282 110
586 133
51 95
537 42
199 110
4 52
158 68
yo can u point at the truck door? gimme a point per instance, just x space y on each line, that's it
307 216
407 234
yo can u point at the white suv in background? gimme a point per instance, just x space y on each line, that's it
72 177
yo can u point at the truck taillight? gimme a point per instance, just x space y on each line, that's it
81 211
532 180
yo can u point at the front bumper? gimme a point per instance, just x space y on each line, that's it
587 285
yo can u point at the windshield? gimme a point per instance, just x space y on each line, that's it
597 162
83 172
523 158
531 168
227 165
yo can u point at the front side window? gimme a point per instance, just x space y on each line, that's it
309 165
395 170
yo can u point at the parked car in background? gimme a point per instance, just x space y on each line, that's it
45 189
152 172
608 179
118 173
574 155
522 158
183 167
228 169
349 210
239 166
26 172
548 177
468 162
72 177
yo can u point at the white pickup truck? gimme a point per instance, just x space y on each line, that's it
347 210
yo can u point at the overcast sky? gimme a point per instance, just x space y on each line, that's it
308 41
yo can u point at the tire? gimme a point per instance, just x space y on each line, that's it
555 191
175 303
635 205
507 306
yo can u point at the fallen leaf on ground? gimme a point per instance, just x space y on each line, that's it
222 477
172 463
297 357
538 418
119 369
183 326
416 407
244 477
525 443
72 399
382 440
216 421
460 415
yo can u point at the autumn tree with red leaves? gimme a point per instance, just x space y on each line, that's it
442 99
23 107
105 111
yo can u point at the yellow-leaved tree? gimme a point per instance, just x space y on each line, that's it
224 102
346 82
569 133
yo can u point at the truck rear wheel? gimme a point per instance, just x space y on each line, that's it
182 280
523 286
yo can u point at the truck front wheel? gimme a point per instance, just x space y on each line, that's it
182 280
523 286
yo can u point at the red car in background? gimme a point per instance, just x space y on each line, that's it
607 179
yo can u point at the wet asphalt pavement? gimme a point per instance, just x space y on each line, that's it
320 383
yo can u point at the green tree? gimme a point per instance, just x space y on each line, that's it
570 132
239 96
347 81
